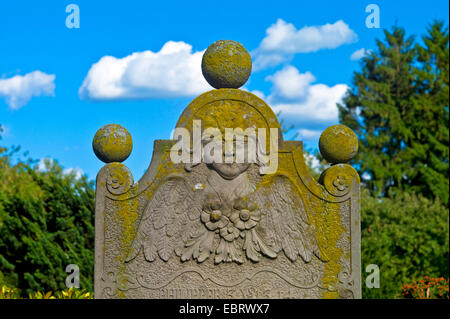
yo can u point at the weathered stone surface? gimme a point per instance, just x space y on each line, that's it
112 143
227 230
226 64
338 144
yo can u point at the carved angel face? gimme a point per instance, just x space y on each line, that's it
239 164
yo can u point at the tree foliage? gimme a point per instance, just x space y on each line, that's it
398 106
47 223
406 236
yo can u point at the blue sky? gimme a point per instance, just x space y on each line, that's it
304 51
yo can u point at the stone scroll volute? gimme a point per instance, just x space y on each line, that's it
205 229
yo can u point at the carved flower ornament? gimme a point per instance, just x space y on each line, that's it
340 183
215 220
245 216
212 216
230 226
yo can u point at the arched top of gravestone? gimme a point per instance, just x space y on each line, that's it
229 108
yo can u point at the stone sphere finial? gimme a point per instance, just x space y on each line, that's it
226 64
112 143
338 144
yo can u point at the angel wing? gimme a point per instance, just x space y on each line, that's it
285 221
167 220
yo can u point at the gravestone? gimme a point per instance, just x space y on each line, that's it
202 223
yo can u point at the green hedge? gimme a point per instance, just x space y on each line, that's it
47 223
407 236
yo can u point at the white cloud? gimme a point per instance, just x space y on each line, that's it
262 60
358 54
18 90
45 163
310 106
283 40
318 106
284 37
174 71
313 162
289 83
309 134
76 171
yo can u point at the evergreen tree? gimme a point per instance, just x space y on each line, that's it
429 148
398 106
